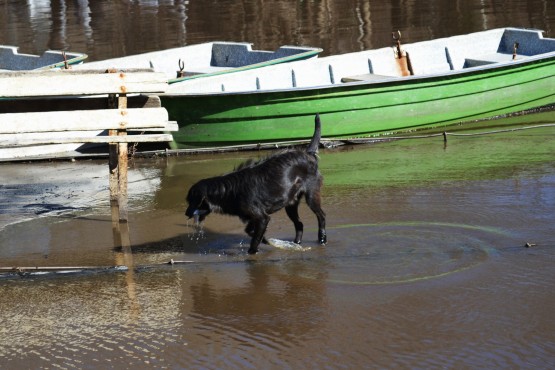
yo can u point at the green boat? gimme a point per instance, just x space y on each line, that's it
371 93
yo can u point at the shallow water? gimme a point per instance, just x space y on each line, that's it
426 266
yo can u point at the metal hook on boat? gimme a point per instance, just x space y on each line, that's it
515 47
181 72
66 64
397 39
402 59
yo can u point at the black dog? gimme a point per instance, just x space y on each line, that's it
256 190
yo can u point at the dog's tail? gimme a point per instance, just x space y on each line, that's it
315 142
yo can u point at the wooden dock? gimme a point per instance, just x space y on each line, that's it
87 107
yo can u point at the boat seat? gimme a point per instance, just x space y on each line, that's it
367 77
490 59
429 59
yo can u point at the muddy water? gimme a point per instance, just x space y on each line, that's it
425 267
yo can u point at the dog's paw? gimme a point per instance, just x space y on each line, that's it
252 250
322 238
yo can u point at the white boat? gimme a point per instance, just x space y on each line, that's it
12 60
206 59
178 64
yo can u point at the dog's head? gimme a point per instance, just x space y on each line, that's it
199 207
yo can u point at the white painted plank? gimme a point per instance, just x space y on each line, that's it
79 83
8 141
101 119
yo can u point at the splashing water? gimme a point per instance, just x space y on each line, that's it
198 233
287 245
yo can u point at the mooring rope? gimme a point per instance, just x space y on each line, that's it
331 142
436 134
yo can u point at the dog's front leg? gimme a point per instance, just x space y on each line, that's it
260 225
249 229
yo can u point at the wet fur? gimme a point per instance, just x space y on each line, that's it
255 190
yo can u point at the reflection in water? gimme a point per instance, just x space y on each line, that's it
425 265
108 29
257 309
79 322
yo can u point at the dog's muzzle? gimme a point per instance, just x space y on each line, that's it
199 214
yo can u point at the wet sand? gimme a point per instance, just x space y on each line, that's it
426 265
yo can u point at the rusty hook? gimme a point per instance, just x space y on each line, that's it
397 39
515 47
181 65
66 64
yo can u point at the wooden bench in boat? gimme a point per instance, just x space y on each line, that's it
85 119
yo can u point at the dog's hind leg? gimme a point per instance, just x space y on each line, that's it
314 202
260 225
293 213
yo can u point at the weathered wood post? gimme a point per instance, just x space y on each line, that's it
122 162
113 157
117 161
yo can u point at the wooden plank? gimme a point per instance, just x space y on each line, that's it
79 83
23 139
81 120
48 104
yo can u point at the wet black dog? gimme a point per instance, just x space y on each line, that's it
256 190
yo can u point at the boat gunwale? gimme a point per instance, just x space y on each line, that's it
70 62
387 82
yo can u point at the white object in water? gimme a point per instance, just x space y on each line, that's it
284 244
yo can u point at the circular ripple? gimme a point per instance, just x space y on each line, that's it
393 253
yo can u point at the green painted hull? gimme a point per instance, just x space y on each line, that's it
360 109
